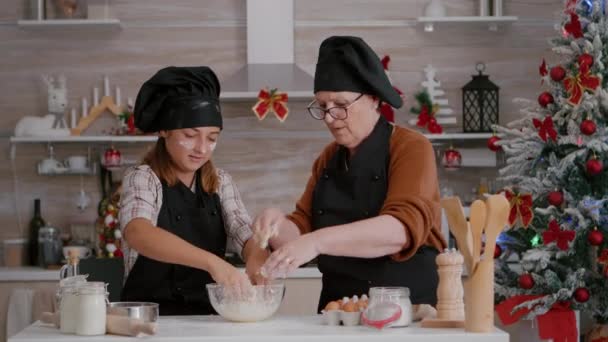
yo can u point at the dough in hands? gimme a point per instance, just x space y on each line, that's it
264 236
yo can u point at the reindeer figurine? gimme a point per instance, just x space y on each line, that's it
57 99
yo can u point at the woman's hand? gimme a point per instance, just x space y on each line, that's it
230 277
291 256
254 258
266 225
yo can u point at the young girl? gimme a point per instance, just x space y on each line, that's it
177 210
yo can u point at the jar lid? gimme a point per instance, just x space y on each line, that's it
389 291
94 287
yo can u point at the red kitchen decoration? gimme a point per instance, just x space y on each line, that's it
271 100
111 157
452 159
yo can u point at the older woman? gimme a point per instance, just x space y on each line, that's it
370 210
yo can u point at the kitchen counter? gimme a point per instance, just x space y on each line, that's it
28 274
25 274
278 328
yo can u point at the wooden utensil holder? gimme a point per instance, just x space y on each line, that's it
479 298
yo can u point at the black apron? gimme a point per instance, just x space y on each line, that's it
353 190
180 290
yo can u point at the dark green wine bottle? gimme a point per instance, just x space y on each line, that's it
35 224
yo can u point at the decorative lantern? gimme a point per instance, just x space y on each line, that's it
479 103
452 159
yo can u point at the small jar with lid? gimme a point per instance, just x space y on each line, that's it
400 296
91 312
68 307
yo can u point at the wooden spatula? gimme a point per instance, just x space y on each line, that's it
477 220
498 216
460 228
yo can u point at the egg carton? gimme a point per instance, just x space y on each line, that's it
347 318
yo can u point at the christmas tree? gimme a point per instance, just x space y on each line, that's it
557 182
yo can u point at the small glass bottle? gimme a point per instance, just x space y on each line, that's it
70 269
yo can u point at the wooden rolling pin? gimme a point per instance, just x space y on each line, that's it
115 325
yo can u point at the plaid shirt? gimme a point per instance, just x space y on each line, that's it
142 197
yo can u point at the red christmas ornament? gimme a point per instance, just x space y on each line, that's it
556 198
497 251
585 59
588 127
545 99
111 157
558 73
452 159
594 167
526 281
492 143
581 295
595 237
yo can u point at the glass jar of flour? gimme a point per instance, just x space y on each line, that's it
87 308
383 298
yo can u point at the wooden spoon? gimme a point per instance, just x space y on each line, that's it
460 228
477 220
498 217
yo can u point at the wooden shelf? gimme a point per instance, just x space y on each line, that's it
93 139
97 24
459 136
492 21
84 138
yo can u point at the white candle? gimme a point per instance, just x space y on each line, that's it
130 102
40 10
106 86
95 96
118 99
73 117
85 107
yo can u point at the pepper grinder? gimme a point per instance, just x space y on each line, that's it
450 304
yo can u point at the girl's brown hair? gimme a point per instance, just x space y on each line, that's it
160 162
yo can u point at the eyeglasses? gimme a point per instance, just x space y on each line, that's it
338 113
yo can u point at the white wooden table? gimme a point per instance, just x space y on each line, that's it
278 328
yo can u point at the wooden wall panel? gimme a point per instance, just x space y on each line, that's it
270 161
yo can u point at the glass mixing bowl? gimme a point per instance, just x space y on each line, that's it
260 304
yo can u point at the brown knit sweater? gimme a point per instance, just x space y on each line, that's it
413 191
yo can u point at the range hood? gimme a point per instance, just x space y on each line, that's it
270 55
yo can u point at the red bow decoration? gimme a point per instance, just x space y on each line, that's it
574 27
577 84
545 128
555 234
558 324
272 100
428 119
542 70
386 109
521 207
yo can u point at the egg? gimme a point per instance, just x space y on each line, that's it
350 307
355 299
362 304
332 306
